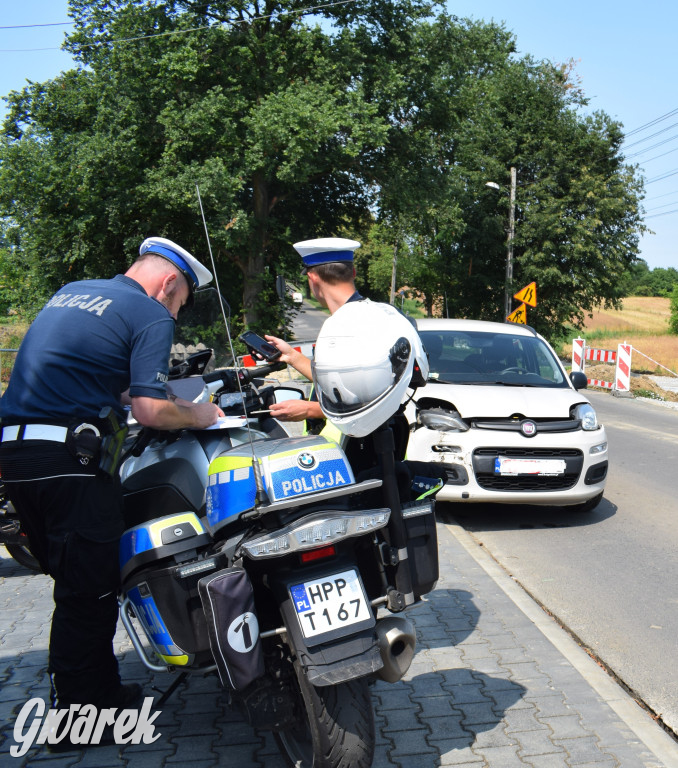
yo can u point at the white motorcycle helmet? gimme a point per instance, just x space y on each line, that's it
365 358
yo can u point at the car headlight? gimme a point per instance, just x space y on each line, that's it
587 415
443 421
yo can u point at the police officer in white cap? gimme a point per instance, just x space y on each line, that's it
96 344
328 264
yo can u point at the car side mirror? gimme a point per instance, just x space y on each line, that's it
578 379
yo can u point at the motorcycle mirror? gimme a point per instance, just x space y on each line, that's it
281 394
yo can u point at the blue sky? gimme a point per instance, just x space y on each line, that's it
624 53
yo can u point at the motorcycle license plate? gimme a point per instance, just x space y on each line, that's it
332 604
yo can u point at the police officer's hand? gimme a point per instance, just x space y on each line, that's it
291 356
296 410
288 351
205 414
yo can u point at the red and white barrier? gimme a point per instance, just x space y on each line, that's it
578 354
601 355
622 357
623 372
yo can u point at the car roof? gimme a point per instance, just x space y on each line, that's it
454 324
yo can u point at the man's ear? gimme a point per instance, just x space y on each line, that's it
169 284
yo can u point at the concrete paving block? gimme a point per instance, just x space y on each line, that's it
552 760
536 743
240 756
447 727
551 705
505 756
457 752
522 719
585 749
477 713
395 697
410 742
566 727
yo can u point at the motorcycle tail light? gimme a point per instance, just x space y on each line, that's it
318 554
315 531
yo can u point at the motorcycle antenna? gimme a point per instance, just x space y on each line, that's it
261 495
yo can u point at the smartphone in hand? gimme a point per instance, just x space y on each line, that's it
256 343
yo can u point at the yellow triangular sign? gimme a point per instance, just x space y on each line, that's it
528 295
518 315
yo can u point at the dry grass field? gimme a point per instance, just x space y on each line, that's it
643 323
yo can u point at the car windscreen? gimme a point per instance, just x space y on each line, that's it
480 357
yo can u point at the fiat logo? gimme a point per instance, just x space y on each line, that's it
528 428
306 460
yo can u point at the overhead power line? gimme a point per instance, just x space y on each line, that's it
32 26
235 22
659 197
662 176
652 122
651 136
659 207
651 147
666 213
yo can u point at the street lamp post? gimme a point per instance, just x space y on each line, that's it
508 280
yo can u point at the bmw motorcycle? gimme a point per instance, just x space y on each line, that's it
275 564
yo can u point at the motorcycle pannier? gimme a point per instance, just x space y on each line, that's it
228 602
161 563
422 545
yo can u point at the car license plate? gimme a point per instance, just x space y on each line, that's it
507 466
331 603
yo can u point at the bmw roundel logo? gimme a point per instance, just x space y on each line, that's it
306 460
528 428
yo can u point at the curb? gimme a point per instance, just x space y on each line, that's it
625 707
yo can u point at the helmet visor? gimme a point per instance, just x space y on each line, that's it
350 390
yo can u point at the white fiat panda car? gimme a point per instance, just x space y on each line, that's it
500 412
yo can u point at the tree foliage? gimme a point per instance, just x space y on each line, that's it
643 281
379 119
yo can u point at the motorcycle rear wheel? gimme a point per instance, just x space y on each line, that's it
335 729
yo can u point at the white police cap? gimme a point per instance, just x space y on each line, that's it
196 275
326 250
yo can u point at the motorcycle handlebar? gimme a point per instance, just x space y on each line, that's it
228 375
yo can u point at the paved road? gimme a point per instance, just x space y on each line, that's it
610 576
495 683
308 322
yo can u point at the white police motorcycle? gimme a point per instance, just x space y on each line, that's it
277 564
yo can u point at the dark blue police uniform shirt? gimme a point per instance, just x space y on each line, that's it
92 341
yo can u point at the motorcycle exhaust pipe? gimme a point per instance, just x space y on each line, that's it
397 640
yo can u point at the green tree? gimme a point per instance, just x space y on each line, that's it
577 204
383 124
263 111
673 320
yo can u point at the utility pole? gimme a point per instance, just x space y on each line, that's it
393 273
508 292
